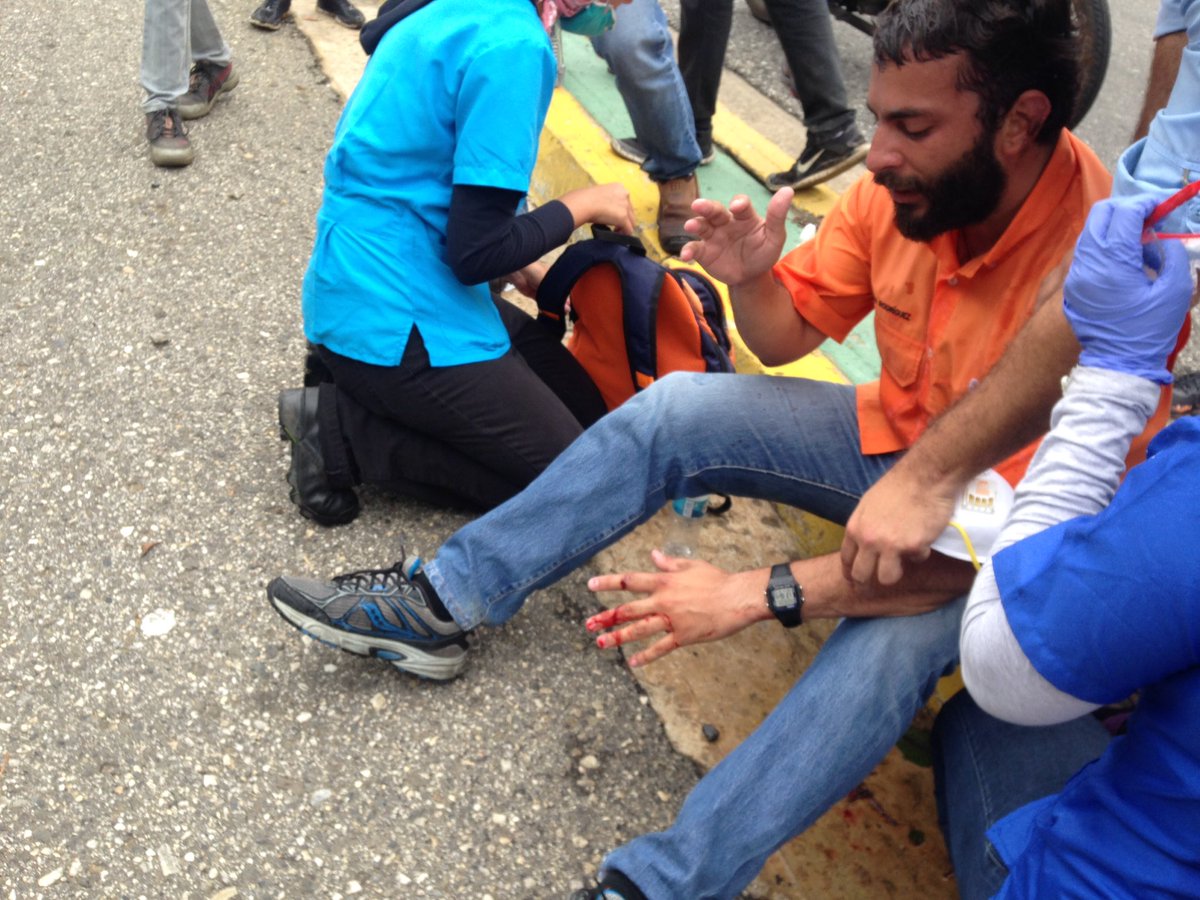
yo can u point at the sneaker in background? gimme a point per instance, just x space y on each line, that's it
169 144
675 199
343 11
822 159
270 14
310 487
207 82
632 150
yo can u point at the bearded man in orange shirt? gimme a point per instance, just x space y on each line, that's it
958 244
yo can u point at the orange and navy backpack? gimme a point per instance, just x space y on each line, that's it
634 319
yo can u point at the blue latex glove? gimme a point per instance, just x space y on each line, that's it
1126 320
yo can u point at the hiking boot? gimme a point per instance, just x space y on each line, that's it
343 11
169 144
270 14
382 613
822 159
207 82
674 208
632 150
311 491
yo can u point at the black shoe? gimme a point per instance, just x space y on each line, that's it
613 886
271 14
311 490
343 11
821 160
632 150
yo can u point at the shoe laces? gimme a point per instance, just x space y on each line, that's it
165 122
374 580
201 79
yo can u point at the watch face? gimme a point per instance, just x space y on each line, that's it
783 597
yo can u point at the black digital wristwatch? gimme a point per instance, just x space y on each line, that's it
785 598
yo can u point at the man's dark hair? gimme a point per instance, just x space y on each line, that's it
1010 46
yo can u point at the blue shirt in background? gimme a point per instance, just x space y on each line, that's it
1168 158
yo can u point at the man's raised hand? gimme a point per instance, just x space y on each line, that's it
735 244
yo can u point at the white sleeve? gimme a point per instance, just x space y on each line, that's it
1075 472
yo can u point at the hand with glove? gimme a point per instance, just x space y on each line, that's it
1126 300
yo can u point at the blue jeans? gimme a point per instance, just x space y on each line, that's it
834 726
785 439
638 50
986 769
176 33
805 32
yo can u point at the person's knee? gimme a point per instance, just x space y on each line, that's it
637 54
677 401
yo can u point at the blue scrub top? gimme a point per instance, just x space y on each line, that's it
1103 606
457 93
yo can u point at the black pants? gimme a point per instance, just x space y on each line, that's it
805 31
466 436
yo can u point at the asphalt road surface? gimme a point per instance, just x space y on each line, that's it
163 733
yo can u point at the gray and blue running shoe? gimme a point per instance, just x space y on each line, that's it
377 612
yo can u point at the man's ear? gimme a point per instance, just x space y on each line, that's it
1021 124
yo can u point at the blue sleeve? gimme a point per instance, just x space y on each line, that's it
502 103
1170 18
1107 604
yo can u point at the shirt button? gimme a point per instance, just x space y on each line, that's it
929 353
953 282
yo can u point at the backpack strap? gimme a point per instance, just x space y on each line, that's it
552 293
642 283
715 344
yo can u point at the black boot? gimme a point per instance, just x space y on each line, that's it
311 490
270 14
343 11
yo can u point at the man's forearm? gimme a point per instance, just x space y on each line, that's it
768 322
1164 68
924 587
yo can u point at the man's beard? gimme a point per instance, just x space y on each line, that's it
965 193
